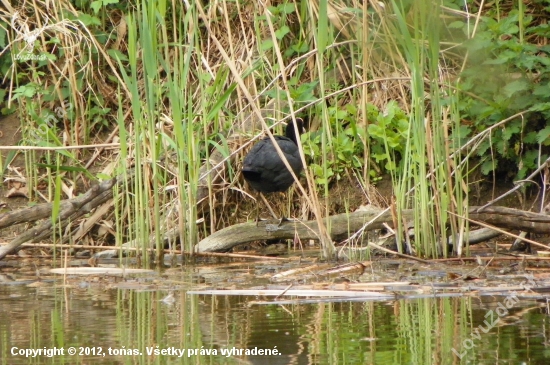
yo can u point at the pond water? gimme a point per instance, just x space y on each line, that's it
153 319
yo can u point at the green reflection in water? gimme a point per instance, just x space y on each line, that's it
422 331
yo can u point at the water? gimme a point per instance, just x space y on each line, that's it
154 318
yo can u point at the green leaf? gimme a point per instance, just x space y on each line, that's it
287 8
28 91
480 43
273 10
394 142
117 55
88 20
488 166
301 47
375 131
540 107
380 156
266 45
515 86
96 5
542 90
530 137
511 29
509 131
49 56
103 176
221 101
496 61
542 135
390 165
458 24
280 33
2 36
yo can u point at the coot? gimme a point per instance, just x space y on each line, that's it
264 169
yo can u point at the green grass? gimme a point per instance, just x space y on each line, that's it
187 80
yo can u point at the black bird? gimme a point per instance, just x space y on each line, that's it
264 169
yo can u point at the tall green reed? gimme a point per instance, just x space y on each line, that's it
161 47
427 184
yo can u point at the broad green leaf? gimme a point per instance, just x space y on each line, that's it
88 20
287 8
488 166
458 24
280 33
515 86
542 135
266 45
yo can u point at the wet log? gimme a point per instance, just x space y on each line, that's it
344 225
510 218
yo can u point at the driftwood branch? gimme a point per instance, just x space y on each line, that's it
343 225
69 210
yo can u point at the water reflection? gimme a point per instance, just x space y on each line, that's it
423 331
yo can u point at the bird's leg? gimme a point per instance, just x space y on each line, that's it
268 206
257 210
260 195
283 219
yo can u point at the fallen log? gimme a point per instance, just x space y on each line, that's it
69 210
341 226
344 225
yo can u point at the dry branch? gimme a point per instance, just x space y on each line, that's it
343 225
69 210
